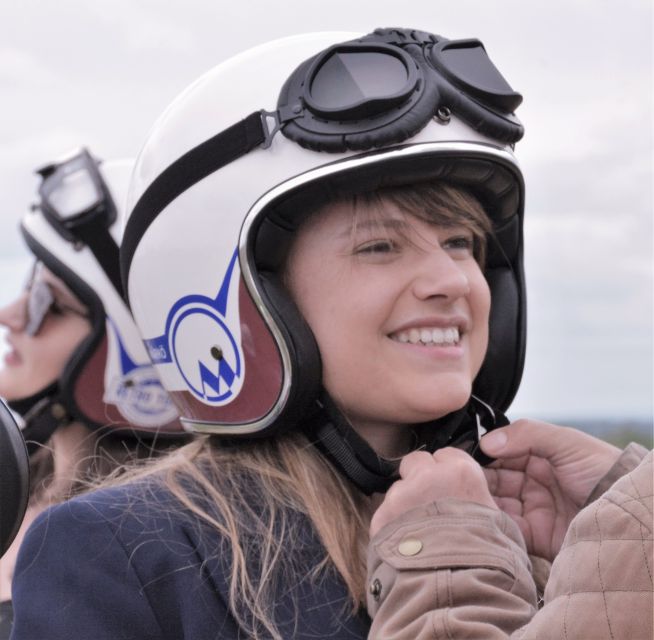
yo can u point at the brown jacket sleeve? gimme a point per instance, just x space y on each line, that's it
469 576
451 569
601 581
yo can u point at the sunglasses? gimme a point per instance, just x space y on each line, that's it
42 300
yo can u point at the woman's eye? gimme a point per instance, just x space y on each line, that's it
376 247
57 308
460 243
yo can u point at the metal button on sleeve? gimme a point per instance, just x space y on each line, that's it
375 588
410 547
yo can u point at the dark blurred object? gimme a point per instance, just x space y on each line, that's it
14 478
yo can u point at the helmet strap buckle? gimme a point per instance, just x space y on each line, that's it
277 119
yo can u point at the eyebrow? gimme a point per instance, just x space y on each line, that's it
388 223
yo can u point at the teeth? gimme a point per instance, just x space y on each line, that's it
437 335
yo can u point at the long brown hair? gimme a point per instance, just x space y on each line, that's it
107 456
256 489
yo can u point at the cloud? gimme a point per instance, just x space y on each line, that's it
21 67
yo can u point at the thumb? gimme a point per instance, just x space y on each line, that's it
522 437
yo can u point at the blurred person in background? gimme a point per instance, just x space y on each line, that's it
76 371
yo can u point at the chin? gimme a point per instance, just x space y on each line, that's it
13 387
446 398
7 390
10 395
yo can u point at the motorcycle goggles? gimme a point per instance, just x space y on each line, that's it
385 87
41 300
359 95
73 194
76 202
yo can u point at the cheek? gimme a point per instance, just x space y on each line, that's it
340 323
318 292
480 306
60 340
43 357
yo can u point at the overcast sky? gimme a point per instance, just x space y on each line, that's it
98 73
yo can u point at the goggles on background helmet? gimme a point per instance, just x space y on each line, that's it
76 202
41 300
77 174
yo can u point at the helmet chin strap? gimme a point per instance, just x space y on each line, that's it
357 460
43 413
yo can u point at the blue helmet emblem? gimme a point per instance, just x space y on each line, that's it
199 341
137 391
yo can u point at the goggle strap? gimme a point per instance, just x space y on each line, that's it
42 424
105 249
193 166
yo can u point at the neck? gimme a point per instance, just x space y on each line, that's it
72 445
390 441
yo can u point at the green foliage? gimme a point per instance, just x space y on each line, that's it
617 432
621 437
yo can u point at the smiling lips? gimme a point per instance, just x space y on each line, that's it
12 358
437 336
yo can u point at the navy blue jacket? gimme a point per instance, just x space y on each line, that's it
125 563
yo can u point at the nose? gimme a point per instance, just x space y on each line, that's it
440 276
13 316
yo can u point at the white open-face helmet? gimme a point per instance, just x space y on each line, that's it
237 159
73 230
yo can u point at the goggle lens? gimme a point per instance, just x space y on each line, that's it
346 79
357 81
39 301
73 194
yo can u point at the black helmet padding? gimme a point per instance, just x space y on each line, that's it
500 190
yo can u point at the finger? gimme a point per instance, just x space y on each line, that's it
505 483
451 460
519 463
525 530
394 493
523 438
414 463
510 506
453 454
